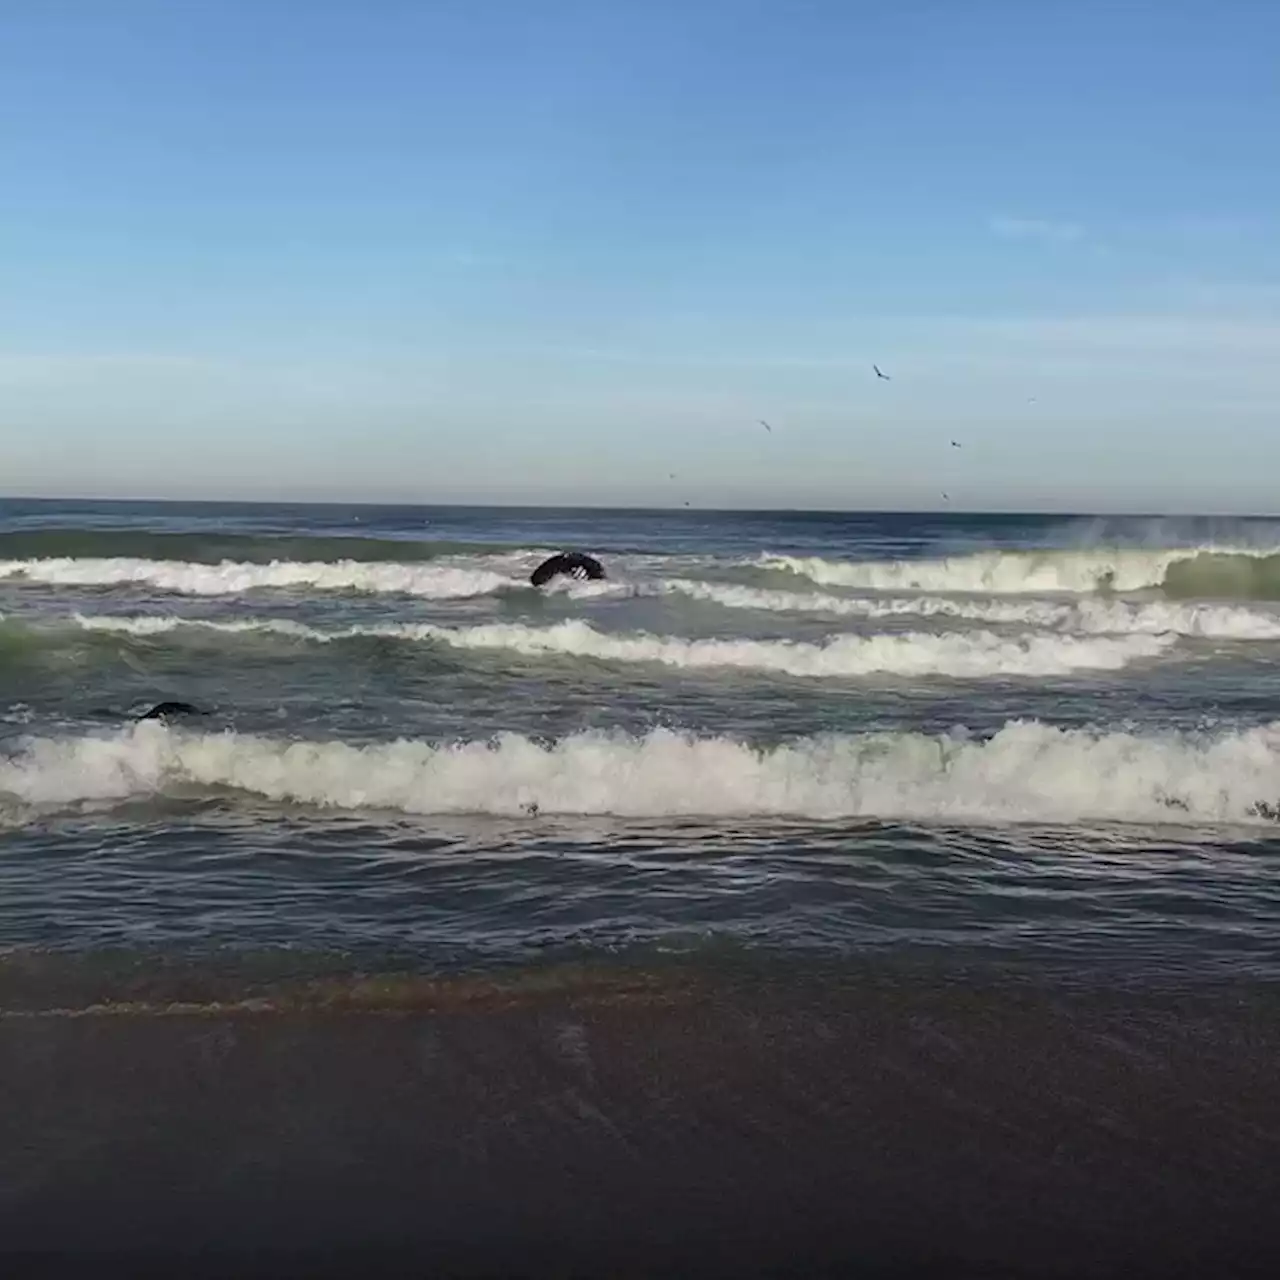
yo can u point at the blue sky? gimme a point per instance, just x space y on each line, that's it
554 250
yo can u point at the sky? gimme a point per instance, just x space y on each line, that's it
554 251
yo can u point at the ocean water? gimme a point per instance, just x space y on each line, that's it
1045 744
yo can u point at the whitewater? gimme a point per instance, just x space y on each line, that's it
797 730
1027 771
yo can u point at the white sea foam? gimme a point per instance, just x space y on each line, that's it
1234 570
1028 771
231 577
578 589
1092 616
1010 572
975 654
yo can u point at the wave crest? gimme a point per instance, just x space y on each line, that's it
432 581
977 654
1028 771
1227 572
1095 617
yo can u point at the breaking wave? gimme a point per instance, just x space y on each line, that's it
432 581
1028 771
969 655
1093 616
1227 572
1181 574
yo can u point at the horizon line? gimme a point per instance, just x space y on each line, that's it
949 510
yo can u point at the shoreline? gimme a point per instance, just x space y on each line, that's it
585 1120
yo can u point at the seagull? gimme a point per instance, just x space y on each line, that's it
885 376
946 498
765 425
671 475
955 444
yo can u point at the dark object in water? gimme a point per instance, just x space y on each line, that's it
568 564
163 710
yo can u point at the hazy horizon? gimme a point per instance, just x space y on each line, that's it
1067 513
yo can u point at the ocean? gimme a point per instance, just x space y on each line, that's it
1047 744
816 893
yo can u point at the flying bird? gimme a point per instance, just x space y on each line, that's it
885 376
765 425
955 444
946 498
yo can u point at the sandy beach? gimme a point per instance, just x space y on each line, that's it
589 1122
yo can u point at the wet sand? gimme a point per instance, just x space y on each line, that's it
631 1123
